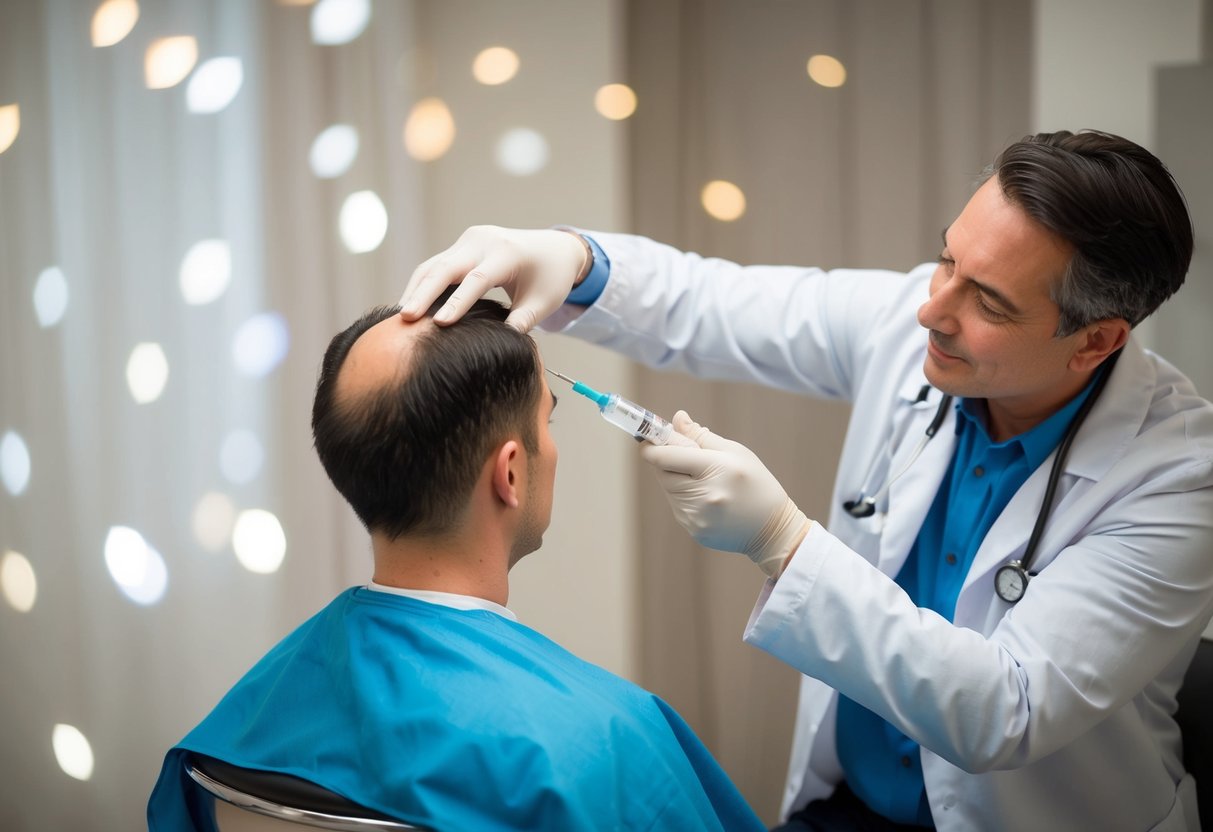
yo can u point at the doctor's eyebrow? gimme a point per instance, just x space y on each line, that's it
986 289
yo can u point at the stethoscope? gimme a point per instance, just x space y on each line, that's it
1011 579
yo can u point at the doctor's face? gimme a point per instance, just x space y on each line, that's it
990 315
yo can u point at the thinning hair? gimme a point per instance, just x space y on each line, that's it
406 455
1119 208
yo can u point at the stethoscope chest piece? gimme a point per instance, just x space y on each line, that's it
1011 582
860 507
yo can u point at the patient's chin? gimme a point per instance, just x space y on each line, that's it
526 543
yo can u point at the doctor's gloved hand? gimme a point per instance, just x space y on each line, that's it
724 496
537 269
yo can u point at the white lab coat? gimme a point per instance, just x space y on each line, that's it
1054 713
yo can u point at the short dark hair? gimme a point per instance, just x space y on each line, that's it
407 455
1120 209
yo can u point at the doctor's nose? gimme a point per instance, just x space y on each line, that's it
938 312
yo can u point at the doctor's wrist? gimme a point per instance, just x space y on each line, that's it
587 253
795 548
775 544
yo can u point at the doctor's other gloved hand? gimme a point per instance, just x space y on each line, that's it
724 496
537 268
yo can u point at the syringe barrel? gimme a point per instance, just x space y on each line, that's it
642 424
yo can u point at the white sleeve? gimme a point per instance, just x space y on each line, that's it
793 328
1104 619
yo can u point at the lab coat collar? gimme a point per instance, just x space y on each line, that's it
1116 418
914 492
911 391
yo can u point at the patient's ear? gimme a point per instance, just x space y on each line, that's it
508 462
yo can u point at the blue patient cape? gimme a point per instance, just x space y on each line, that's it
457 720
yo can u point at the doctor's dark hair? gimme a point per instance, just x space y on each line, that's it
1119 208
407 455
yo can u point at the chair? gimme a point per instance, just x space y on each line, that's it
1195 718
268 801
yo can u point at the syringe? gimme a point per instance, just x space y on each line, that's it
641 423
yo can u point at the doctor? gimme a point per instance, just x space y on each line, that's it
994 627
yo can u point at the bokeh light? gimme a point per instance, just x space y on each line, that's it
50 296
168 61
333 151
206 271
335 22
615 101
72 751
212 520
259 541
260 344
10 125
363 222
147 372
136 567
495 65
18 582
827 71
214 85
113 21
14 463
723 200
429 130
522 152
241 456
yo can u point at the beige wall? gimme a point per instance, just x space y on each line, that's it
1095 61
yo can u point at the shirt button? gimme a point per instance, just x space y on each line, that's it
979 471
950 558
905 762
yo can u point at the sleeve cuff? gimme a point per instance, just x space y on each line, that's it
591 288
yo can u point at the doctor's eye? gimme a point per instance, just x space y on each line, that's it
987 310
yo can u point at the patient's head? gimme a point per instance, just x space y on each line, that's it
407 414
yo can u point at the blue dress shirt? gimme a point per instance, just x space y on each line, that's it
595 281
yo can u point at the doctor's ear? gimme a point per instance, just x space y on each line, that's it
1099 340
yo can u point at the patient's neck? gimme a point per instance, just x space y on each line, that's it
458 563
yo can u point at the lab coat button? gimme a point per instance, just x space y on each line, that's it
905 762
979 471
950 558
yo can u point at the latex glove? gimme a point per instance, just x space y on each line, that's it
535 267
724 496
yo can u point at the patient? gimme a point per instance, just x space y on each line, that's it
420 695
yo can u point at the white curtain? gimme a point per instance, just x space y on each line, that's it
105 189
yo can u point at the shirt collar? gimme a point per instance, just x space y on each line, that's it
446 599
1036 443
